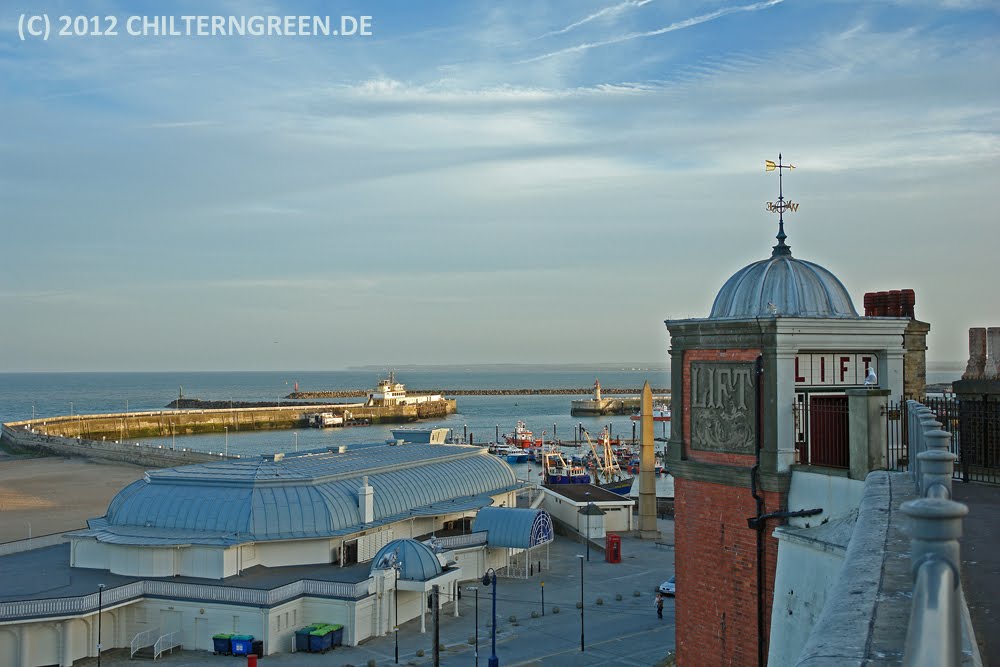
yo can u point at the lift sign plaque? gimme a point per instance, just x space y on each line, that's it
833 369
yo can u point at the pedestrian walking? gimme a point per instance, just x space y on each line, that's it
659 605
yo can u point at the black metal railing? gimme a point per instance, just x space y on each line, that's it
974 427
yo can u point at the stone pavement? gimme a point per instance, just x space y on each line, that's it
617 631
981 563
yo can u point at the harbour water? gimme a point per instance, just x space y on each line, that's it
23 395
53 394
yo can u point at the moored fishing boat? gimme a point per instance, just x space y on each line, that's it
607 471
509 453
555 470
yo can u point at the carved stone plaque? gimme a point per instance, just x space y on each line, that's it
723 411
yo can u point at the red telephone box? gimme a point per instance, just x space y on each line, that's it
613 548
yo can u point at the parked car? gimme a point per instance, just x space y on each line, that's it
669 586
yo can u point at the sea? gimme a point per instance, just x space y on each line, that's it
479 418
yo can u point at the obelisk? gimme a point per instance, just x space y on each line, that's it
647 463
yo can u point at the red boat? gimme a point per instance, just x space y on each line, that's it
522 437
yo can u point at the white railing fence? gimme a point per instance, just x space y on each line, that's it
169 589
142 640
167 642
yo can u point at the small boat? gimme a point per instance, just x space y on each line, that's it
508 453
323 420
555 470
661 413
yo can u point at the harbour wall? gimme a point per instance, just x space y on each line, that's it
112 436
21 436
363 393
165 423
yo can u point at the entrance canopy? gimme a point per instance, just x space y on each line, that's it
514 527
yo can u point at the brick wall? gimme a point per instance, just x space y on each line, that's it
716 552
716 566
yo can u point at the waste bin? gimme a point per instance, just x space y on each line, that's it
242 644
337 635
252 660
223 644
257 648
319 639
302 637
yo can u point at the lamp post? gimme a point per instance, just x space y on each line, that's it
227 440
296 434
476 589
395 602
580 556
100 610
488 578
589 505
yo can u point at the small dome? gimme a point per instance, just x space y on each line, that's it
417 561
785 287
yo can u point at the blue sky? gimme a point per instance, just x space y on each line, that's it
482 182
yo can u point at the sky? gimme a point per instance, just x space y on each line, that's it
480 182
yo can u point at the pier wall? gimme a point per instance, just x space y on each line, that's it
112 436
20 436
164 423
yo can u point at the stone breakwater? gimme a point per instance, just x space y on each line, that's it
356 393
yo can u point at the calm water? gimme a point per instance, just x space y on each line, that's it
53 394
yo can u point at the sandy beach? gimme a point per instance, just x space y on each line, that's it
56 494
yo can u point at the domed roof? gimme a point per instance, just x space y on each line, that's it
785 287
417 561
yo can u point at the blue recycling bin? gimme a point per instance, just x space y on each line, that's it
242 644
302 638
337 636
320 639
222 643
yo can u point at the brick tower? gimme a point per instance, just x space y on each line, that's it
782 334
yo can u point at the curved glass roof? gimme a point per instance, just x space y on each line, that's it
304 495
520 528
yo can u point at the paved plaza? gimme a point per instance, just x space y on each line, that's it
616 631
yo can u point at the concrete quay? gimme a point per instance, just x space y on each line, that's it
618 632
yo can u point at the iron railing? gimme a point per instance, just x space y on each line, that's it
973 427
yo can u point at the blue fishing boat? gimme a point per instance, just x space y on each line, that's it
555 470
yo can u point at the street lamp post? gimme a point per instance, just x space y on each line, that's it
589 505
488 578
476 589
395 602
580 556
100 610
227 440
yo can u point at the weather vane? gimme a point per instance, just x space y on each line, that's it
780 206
